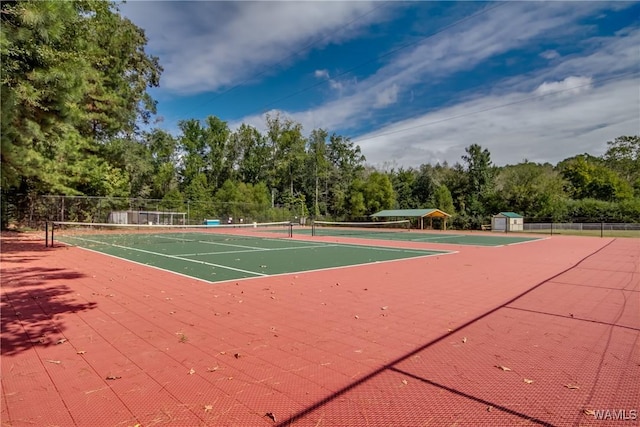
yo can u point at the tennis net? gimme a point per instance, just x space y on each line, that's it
96 234
337 228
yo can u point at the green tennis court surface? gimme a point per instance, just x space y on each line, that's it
219 257
415 236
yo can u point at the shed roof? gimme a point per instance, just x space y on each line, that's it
410 213
510 214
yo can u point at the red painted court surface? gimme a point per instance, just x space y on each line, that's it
542 333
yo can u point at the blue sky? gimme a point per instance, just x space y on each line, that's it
409 82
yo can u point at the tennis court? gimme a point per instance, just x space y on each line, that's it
400 230
224 253
543 334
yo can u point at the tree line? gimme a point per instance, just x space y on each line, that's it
76 115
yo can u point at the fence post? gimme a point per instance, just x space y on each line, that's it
602 228
46 234
552 227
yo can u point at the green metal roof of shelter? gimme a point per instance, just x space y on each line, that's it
510 214
410 213
415 213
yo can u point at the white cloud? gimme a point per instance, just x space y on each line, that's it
465 47
321 74
572 85
566 112
542 129
205 46
550 127
336 85
550 54
387 97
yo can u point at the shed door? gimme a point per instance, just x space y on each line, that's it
499 224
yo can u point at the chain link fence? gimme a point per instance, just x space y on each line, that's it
35 211
583 227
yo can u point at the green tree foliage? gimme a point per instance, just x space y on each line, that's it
287 154
424 187
356 205
455 179
378 193
219 156
623 157
347 166
588 177
318 170
194 147
480 178
238 200
116 99
443 200
162 147
251 154
533 190
135 162
73 73
403 181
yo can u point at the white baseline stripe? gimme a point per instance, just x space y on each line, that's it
172 256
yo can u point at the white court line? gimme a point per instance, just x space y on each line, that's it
451 236
535 239
145 265
348 266
259 250
210 243
172 256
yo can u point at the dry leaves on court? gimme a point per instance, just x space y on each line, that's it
504 368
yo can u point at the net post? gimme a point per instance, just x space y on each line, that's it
46 234
290 229
53 225
313 227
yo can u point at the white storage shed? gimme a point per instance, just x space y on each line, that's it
507 221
